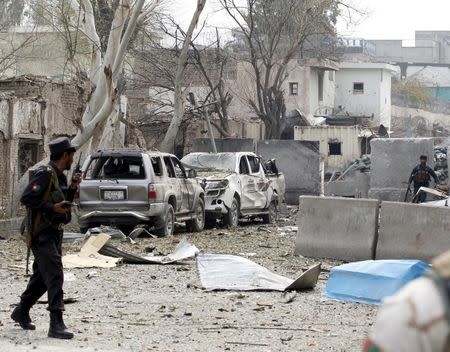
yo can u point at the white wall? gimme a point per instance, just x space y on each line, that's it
347 135
307 99
376 99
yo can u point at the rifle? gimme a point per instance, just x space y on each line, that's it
408 190
77 166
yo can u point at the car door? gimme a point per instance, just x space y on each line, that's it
260 183
180 173
174 183
247 184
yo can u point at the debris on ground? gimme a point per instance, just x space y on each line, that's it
108 230
230 272
372 280
441 163
183 251
89 257
140 232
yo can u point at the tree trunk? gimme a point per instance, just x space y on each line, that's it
168 143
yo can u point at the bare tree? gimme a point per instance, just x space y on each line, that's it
101 115
275 33
179 96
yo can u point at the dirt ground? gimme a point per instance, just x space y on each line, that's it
164 308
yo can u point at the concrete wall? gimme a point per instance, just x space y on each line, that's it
374 101
340 228
300 163
203 145
392 162
414 122
347 135
411 231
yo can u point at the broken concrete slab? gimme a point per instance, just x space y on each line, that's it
89 256
337 228
184 250
412 231
235 273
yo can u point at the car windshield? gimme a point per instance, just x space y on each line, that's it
115 168
222 161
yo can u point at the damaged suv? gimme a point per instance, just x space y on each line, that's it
129 187
237 186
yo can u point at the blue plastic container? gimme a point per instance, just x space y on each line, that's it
372 280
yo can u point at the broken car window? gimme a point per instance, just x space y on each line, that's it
157 166
254 164
243 166
169 167
179 170
116 168
221 161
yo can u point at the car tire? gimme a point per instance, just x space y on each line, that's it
198 223
231 219
271 216
168 223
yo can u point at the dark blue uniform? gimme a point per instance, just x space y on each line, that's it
421 175
47 237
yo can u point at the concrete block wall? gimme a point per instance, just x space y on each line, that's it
358 229
300 163
392 162
338 228
412 231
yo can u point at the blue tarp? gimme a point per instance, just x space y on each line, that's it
372 280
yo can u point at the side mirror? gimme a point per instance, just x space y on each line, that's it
192 173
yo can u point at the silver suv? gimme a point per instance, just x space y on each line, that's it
129 187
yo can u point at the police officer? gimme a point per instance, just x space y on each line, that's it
48 198
421 175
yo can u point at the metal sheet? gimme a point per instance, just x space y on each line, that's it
184 250
230 272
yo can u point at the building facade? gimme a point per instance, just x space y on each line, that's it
363 90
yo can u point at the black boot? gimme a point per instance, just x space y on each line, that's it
21 315
58 329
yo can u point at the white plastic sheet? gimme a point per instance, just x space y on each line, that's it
230 272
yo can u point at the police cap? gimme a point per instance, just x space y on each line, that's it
61 145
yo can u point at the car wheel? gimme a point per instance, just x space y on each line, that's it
168 223
231 219
271 216
198 223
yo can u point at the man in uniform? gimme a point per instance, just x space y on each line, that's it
421 175
48 199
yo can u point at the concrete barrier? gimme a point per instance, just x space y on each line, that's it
10 227
411 231
300 163
338 228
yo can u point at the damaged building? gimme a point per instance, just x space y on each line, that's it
33 111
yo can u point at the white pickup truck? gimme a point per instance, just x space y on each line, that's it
236 186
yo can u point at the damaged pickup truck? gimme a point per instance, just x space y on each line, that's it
236 186
128 187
